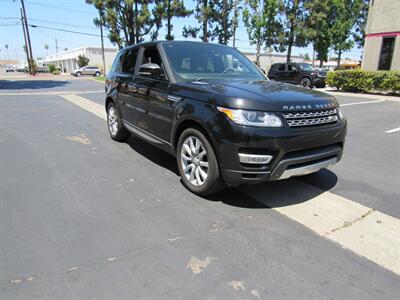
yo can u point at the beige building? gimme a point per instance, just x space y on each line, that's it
66 60
266 60
382 41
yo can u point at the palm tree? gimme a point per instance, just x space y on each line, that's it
6 46
46 47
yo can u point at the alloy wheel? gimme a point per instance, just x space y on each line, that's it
194 161
112 120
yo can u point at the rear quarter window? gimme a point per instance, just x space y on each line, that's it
116 66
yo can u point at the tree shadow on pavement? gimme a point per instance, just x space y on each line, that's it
31 84
265 195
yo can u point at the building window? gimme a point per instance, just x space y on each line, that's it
385 59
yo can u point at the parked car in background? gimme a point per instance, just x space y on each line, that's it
9 69
302 74
225 122
94 71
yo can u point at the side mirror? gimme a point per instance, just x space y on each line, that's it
151 70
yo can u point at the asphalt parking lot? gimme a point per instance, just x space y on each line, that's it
82 216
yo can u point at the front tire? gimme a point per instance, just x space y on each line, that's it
97 74
114 123
78 74
197 163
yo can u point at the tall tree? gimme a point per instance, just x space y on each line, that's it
222 16
46 47
319 24
170 9
127 21
202 14
344 15
294 29
6 46
361 23
260 19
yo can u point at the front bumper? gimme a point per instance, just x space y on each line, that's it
294 151
318 81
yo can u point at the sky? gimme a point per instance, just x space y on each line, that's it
76 15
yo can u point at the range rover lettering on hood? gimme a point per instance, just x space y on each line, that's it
308 106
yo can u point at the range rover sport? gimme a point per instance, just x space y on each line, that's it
225 122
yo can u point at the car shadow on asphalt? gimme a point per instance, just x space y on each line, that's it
265 195
31 84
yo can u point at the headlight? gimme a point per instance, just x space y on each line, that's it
251 118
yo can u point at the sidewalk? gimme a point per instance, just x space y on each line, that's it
334 92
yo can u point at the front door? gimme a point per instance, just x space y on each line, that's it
153 91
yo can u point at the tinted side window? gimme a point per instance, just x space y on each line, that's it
292 68
129 61
151 55
281 67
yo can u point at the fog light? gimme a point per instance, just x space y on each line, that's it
254 158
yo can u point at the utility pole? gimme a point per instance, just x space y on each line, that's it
313 57
235 15
102 42
26 45
56 48
169 20
28 36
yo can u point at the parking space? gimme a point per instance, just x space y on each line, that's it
82 216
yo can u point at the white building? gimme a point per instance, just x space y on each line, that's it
66 60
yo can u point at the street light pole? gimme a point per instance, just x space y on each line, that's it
102 42
26 45
28 36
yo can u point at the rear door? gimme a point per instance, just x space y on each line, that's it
127 87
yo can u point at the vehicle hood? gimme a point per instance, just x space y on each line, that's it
258 95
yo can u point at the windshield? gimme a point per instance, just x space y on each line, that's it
198 61
306 67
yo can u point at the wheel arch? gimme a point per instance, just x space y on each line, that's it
189 123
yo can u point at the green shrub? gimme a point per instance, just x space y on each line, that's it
56 72
52 68
359 80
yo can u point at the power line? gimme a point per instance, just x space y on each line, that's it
53 22
63 30
58 7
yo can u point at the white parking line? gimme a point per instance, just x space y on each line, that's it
363 230
51 93
88 105
363 102
393 130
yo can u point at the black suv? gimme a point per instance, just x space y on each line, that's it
297 73
225 122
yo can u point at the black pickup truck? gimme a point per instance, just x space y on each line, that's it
302 74
225 122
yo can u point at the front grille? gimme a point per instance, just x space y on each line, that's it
311 118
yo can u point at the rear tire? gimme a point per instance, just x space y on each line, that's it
197 163
97 74
305 82
114 124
